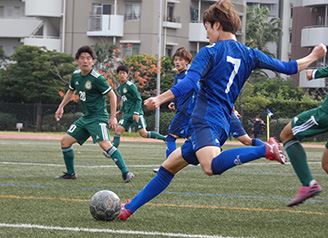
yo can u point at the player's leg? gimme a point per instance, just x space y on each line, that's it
117 135
100 135
170 144
298 158
158 184
141 127
324 161
238 131
76 133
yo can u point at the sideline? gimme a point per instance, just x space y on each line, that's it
123 139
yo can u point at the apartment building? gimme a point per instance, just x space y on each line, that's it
134 25
309 28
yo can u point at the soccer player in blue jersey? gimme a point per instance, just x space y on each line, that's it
238 131
222 68
184 104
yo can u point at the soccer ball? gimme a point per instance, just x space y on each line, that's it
105 205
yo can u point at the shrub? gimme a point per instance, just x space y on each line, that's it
7 121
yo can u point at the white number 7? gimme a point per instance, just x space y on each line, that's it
236 64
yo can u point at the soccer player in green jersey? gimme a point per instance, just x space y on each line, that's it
306 124
92 88
132 109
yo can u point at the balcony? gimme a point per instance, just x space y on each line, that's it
172 22
197 32
48 8
18 28
312 3
314 83
314 35
106 25
51 43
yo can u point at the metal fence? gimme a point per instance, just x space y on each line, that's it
13 113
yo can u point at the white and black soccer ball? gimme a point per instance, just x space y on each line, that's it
105 205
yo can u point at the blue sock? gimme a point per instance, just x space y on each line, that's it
230 158
170 145
152 189
257 142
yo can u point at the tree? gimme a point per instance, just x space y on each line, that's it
261 28
36 76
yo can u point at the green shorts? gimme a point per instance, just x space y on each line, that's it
83 128
127 122
310 123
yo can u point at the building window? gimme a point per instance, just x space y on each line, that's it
168 52
130 49
132 12
2 11
101 9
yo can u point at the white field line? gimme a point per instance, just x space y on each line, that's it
93 230
132 166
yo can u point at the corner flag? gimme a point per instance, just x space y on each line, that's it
269 113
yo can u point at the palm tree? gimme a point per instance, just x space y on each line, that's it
261 29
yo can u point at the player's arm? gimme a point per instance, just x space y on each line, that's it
137 102
317 73
112 104
60 111
183 87
317 53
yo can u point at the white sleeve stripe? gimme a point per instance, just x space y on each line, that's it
313 73
70 87
107 90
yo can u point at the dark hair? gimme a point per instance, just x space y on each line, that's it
122 68
183 53
223 11
85 49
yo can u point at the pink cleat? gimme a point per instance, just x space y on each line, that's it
125 213
305 193
273 151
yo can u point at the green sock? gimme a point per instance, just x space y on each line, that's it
298 159
117 157
155 135
69 155
116 140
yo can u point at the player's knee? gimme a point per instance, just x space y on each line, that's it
325 167
208 170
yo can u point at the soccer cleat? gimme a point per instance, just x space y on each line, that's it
305 193
127 177
124 213
67 176
273 151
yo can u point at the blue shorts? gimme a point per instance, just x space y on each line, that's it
203 133
180 126
236 129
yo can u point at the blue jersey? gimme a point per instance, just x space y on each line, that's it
224 68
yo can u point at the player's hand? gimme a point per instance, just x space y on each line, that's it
135 117
112 123
309 74
118 113
152 103
171 106
319 51
59 114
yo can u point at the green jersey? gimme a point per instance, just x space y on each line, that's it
131 99
91 89
322 73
